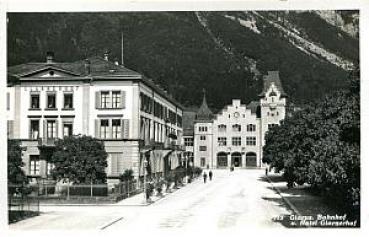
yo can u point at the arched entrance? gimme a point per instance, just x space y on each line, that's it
222 160
236 159
251 159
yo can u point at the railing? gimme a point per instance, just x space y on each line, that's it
46 141
64 192
20 204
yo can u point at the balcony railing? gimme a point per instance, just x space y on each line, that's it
46 141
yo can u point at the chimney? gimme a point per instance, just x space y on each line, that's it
87 67
49 57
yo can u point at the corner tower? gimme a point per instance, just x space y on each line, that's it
272 103
203 135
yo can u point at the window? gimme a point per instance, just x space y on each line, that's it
104 128
116 163
251 141
51 129
236 141
116 99
202 148
272 125
68 101
51 101
105 99
34 165
202 162
202 138
222 128
35 101
236 128
49 168
188 141
35 129
251 127
222 141
117 131
203 129
67 129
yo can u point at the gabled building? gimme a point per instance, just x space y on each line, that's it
95 97
235 136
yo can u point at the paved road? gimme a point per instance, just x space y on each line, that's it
238 200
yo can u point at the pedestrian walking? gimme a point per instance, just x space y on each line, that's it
205 176
210 175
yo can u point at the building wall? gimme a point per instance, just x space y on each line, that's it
232 115
272 112
207 143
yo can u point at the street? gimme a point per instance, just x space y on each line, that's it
239 199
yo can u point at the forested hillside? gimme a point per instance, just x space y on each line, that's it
223 52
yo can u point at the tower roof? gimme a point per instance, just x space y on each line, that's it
204 113
272 77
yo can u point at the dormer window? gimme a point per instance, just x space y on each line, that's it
272 93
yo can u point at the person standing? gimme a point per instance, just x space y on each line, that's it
210 175
205 176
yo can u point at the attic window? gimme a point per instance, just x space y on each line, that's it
51 73
272 93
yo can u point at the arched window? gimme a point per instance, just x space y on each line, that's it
251 159
236 128
222 128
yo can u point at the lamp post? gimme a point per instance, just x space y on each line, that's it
144 189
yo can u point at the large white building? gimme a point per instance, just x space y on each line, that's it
235 136
95 97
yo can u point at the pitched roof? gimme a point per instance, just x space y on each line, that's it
98 67
272 77
204 113
188 120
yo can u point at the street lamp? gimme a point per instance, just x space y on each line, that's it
186 160
144 189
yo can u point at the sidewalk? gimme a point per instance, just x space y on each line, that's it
139 200
303 203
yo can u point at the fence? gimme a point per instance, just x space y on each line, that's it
21 204
83 193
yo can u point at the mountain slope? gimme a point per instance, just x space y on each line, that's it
223 52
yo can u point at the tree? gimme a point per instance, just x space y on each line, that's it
80 159
15 172
320 146
127 175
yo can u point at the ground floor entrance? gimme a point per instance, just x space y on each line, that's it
236 159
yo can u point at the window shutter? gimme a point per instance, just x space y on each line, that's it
10 128
56 128
122 128
125 128
97 99
45 129
30 129
123 99
97 128
110 135
8 101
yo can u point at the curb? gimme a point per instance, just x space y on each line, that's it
289 204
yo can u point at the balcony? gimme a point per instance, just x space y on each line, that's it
46 141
